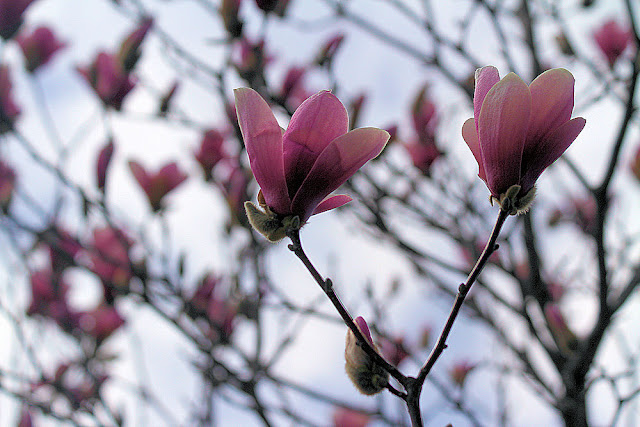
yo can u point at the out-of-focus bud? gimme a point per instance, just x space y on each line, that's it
425 336
394 350
108 79
613 39
101 322
564 45
328 50
279 7
38 47
460 371
165 101
293 92
229 11
11 16
344 417
354 108
7 185
635 164
102 165
9 111
367 376
129 53
564 337
210 152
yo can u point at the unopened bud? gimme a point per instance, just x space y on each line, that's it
268 223
513 202
367 376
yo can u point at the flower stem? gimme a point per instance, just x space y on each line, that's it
327 287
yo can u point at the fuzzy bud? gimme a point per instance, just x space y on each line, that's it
367 376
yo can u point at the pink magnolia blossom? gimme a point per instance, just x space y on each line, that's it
9 111
7 185
38 47
101 322
130 47
49 299
635 164
298 169
344 417
11 16
293 92
329 49
612 39
422 149
109 256
157 185
210 151
109 80
394 350
518 131
62 248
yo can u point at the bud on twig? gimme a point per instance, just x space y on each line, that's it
367 376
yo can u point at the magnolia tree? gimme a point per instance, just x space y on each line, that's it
162 165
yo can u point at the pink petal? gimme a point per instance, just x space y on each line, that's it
486 78
502 128
332 202
263 140
364 328
551 102
470 136
141 175
341 159
319 120
539 157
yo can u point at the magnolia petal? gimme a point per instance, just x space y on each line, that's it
332 202
486 78
318 120
470 136
539 157
140 174
341 159
263 140
502 129
551 102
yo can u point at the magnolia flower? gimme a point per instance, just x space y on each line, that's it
612 39
38 47
109 80
518 131
130 47
9 111
297 169
7 185
211 151
159 184
344 417
102 164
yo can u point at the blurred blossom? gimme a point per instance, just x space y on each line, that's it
422 149
425 336
221 315
518 131
279 7
11 16
210 151
459 372
235 189
165 101
564 337
129 53
635 164
7 185
298 169
26 417
613 39
581 211
101 322
9 111
38 47
365 374
199 301
250 59
108 79
109 257
564 45
394 350
293 92
102 164
73 383
344 417
229 11
328 50
157 185
62 248
49 299
355 107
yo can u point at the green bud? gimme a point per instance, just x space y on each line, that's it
268 223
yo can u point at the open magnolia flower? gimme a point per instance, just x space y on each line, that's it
297 169
518 131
